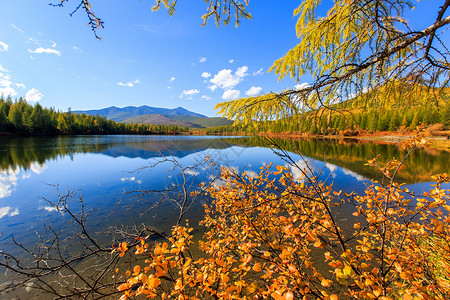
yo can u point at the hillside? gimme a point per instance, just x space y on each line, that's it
157 116
121 114
402 109
158 119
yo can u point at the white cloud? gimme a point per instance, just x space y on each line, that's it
3 46
8 211
128 179
202 59
172 79
231 95
353 174
14 212
48 208
192 172
206 75
17 28
5 80
169 87
242 71
129 84
3 69
33 40
8 91
231 61
331 167
302 86
37 168
8 182
4 211
53 44
20 85
259 72
77 49
189 92
297 171
45 50
206 97
33 95
5 84
252 174
253 91
226 80
212 87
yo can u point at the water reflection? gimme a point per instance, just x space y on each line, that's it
352 155
102 167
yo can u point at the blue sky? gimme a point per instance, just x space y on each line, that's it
144 57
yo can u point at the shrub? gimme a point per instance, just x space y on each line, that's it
282 237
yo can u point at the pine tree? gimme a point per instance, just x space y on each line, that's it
415 121
394 122
444 116
15 117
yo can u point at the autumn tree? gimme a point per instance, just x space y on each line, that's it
358 46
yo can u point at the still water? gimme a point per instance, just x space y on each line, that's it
103 168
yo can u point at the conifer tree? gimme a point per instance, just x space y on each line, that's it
15 117
394 122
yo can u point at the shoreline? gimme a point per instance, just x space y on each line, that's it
435 142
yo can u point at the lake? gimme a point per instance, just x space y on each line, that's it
104 169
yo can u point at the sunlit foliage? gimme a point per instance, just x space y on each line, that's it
358 46
284 237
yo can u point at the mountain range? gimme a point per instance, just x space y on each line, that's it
157 115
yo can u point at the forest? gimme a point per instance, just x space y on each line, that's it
283 233
20 118
361 115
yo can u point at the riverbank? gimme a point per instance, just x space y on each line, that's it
435 142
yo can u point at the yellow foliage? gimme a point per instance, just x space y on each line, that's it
264 240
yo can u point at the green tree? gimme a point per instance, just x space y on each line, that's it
37 119
15 117
62 124
444 116
395 121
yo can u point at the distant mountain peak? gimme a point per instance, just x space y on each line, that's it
121 114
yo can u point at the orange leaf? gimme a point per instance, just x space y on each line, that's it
289 296
123 287
257 267
136 270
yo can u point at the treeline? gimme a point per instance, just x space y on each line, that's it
20 118
327 122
